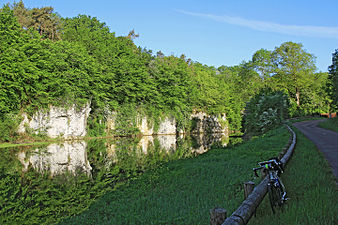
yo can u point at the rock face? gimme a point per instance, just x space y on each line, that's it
142 125
201 123
58 122
204 123
166 126
71 123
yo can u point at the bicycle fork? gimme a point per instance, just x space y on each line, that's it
278 182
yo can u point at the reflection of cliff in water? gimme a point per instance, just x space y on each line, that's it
58 158
202 143
168 144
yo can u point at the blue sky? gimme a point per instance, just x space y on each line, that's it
214 32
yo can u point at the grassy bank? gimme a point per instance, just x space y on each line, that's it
330 124
45 141
311 188
183 192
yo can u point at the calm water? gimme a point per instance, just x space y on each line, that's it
41 185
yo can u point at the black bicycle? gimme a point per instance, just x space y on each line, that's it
276 189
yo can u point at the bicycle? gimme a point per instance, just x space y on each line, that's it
276 189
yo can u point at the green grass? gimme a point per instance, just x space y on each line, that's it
45 141
183 192
9 145
330 124
311 188
304 118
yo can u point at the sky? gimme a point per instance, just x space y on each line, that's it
214 32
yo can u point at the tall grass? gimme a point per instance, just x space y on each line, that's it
311 188
330 124
183 192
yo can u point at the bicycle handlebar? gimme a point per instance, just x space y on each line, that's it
255 170
271 164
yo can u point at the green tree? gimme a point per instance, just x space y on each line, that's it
333 80
243 80
262 63
125 77
209 94
15 69
243 83
294 69
133 83
315 97
172 77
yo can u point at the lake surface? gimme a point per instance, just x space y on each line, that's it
41 185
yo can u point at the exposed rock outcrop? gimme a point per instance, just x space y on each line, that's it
71 123
204 123
57 122
166 126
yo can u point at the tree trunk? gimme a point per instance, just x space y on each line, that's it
297 97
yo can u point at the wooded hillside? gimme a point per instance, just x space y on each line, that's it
46 59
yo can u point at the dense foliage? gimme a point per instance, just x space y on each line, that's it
290 68
46 59
266 111
333 80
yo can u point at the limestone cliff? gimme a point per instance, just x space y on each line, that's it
71 123
204 123
57 122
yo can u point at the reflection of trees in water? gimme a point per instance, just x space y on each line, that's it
125 153
109 162
149 146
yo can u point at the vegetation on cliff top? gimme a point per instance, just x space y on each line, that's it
46 59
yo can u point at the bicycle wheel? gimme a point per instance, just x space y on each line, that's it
278 195
275 196
272 198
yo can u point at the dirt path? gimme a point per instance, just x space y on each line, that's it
325 140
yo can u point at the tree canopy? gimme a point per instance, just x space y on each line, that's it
46 59
333 80
43 20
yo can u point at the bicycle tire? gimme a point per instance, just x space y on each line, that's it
278 196
275 196
271 196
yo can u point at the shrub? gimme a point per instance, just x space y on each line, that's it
8 127
265 111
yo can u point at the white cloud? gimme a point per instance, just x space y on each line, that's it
309 31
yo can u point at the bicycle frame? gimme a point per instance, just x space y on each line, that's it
276 189
277 182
